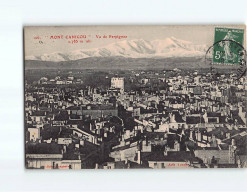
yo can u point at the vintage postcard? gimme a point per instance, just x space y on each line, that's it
128 97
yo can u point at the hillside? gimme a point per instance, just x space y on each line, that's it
120 63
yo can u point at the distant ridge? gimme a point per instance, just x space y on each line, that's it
120 63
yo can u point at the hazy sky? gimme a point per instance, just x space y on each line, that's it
195 34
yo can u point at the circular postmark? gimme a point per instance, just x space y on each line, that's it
226 56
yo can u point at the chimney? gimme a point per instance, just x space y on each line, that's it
167 148
96 166
232 149
139 160
111 129
173 118
177 146
141 129
64 148
183 132
126 161
128 165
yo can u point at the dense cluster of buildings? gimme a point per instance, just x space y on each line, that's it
196 120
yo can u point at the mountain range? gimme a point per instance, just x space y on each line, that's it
137 48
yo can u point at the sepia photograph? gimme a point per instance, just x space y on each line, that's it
135 97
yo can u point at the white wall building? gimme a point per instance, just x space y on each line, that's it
117 82
34 133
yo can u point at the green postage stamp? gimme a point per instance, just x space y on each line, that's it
228 46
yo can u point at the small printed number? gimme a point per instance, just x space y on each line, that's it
217 55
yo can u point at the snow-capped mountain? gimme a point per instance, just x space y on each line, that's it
138 48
